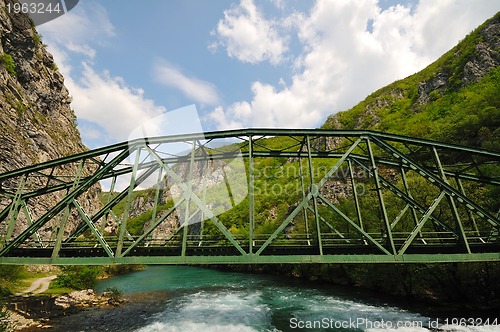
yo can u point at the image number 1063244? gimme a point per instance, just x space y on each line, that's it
41 11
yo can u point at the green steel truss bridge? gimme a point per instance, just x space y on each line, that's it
352 197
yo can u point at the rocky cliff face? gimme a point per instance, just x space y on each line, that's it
487 54
484 57
36 121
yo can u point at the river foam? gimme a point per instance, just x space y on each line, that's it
208 311
208 300
271 308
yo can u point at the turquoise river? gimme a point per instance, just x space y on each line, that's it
180 298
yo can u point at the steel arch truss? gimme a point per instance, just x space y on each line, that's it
353 196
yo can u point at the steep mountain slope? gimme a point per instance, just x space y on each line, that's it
455 99
36 121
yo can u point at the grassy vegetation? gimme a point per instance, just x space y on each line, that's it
15 278
9 275
78 277
8 62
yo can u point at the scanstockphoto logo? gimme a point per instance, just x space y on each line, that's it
207 184
204 185
41 11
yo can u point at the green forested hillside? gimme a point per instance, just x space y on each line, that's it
455 99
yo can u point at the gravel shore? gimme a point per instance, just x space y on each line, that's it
132 314
35 313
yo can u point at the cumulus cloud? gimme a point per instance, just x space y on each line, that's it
80 28
220 118
200 91
108 101
248 36
108 106
348 50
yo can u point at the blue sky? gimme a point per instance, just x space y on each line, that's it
247 63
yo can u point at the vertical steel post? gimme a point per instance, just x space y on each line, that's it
407 191
14 211
202 220
126 212
185 231
314 192
63 219
469 212
451 200
204 198
36 236
157 198
251 198
306 219
380 196
355 194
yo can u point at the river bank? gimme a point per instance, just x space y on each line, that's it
32 299
26 313
129 315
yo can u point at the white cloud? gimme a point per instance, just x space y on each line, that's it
223 121
342 61
79 28
107 101
200 91
439 25
110 102
280 4
272 108
248 36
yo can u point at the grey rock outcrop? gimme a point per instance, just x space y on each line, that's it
37 123
486 56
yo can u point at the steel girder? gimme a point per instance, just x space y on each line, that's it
410 203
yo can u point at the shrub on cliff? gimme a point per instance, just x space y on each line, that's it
8 62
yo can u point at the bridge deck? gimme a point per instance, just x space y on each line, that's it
273 254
